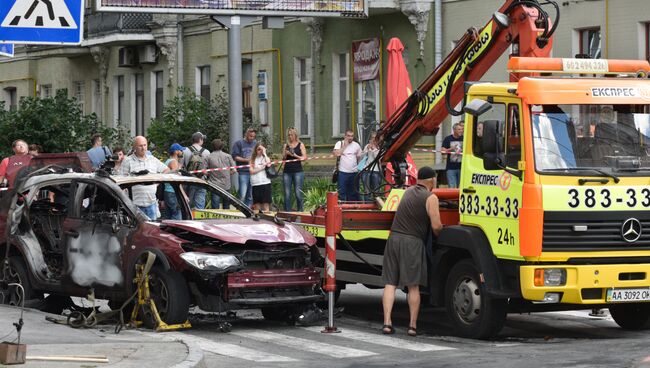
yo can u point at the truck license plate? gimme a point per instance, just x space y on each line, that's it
628 295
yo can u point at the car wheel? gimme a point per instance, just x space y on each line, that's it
472 312
16 272
169 291
633 316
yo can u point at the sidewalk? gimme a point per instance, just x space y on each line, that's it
129 348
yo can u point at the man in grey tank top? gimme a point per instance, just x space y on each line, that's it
405 261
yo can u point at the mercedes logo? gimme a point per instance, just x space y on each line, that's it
631 230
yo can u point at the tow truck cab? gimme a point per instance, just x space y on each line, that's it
555 176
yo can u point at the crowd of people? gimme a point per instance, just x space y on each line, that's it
359 172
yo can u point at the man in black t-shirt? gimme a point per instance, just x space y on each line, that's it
452 145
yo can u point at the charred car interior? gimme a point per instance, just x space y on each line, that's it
67 233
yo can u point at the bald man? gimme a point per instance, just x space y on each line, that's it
144 196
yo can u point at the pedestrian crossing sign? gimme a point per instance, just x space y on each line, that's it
7 49
41 21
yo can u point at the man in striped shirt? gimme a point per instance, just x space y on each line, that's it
144 196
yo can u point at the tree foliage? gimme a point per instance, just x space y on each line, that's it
56 123
185 114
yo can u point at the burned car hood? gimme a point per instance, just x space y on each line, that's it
243 230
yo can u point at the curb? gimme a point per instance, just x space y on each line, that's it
194 356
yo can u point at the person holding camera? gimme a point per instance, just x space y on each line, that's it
98 153
139 163
172 209
293 175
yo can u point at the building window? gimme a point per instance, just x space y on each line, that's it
590 43
11 99
139 104
203 82
78 93
46 91
340 94
302 91
118 99
97 98
247 88
646 27
158 94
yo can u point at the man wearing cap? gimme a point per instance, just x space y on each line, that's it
405 261
196 194
241 152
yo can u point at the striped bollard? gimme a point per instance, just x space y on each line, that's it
333 225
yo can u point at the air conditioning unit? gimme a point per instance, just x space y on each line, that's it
147 54
127 57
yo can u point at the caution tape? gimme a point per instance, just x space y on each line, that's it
436 151
205 171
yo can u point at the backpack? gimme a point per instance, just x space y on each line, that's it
196 160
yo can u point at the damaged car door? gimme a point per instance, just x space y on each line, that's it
96 232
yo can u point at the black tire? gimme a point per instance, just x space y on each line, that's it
634 316
16 272
169 291
472 312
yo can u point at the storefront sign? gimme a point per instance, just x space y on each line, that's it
366 57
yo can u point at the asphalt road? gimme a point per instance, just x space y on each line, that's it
559 339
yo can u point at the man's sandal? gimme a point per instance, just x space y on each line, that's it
387 330
412 331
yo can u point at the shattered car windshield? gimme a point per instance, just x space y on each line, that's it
612 138
173 198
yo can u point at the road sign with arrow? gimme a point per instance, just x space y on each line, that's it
41 21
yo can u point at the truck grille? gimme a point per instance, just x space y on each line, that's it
603 231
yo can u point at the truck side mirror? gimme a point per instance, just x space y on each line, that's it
477 107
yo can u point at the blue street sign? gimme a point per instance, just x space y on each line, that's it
7 49
41 21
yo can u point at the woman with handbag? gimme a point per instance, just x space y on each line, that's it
293 174
259 181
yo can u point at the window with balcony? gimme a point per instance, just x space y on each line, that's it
302 94
203 82
340 94
139 104
589 41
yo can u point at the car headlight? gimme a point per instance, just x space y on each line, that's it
205 261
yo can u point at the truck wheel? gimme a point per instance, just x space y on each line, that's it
169 291
633 316
16 272
472 312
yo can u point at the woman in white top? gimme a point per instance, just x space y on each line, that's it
371 177
259 181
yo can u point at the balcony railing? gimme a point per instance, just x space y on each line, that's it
101 24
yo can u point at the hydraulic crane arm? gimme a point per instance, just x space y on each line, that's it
521 23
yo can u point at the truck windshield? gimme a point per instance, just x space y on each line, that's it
605 137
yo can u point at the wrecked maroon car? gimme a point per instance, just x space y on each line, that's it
67 233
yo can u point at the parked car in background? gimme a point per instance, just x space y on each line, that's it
69 232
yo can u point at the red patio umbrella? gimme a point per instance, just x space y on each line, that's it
398 89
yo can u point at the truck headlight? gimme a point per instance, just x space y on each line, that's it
550 277
205 261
